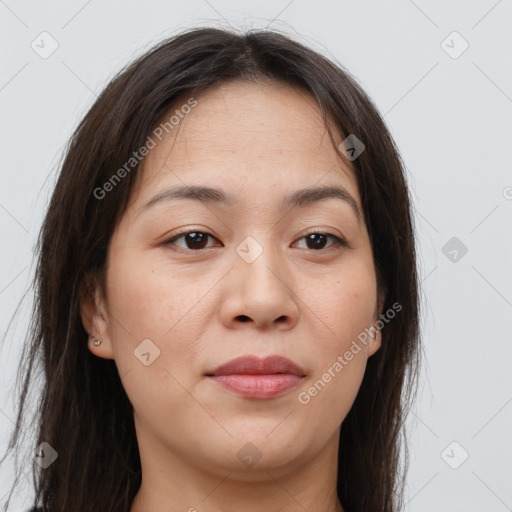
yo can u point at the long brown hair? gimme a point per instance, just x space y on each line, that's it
84 412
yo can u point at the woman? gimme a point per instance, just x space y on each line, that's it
227 295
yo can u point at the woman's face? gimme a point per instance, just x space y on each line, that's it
251 281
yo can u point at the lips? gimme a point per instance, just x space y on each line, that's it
252 365
253 377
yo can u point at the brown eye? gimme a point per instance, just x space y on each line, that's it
317 241
194 240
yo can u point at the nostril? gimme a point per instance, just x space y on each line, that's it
243 318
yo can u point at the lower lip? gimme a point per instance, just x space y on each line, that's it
258 386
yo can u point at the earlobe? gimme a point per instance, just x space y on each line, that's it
100 348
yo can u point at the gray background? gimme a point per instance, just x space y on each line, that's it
450 114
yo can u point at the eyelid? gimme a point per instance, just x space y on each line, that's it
339 241
175 237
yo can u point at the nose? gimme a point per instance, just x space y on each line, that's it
260 293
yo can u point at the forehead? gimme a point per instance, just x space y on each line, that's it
247 134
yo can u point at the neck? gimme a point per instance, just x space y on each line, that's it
170 483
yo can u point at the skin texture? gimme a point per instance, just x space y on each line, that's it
203 307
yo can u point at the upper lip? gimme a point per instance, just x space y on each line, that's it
253 365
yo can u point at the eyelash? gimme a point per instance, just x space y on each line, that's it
338 242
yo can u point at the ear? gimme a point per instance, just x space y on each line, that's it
93 313
375 342
376 337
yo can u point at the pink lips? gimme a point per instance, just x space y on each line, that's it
253 377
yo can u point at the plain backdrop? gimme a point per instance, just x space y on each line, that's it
440 75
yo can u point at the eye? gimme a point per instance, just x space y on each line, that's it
196 240
316 240
193 239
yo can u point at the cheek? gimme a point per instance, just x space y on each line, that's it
344 306
150 299
149 302
331 393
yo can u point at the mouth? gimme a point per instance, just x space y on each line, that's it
252 377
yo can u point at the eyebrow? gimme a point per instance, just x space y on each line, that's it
298 198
